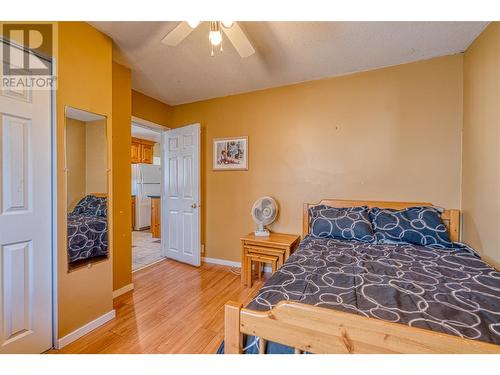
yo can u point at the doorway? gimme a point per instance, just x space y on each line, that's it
166 219
146 193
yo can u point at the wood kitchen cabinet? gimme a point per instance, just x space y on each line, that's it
142 151
135 150
155 217
147 153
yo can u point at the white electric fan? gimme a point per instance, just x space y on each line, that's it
264 212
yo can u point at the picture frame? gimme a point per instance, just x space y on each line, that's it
230 154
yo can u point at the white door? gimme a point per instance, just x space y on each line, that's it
181 226
25 221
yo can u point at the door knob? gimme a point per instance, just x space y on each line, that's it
194 205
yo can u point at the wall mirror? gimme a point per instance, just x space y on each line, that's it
86 148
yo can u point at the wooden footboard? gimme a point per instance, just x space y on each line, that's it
320 330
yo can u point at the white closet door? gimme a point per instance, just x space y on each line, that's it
25 221
181 226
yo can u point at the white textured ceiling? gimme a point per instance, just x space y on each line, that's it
287 52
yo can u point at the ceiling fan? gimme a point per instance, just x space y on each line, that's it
232 30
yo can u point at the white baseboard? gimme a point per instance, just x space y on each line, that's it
123 290
76 334
223 262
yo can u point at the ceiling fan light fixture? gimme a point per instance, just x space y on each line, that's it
215 37
232 30
193 24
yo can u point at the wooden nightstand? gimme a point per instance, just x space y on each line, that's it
274 249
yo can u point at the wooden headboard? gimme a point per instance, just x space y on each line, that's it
100 195
451 218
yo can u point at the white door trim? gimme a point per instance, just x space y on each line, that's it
149 124
55 264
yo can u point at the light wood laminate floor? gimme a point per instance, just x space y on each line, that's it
175 308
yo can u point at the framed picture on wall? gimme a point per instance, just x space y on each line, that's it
230 154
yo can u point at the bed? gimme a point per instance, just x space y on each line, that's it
348 296
88 229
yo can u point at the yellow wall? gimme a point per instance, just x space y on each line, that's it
84 59
89 80
96 157
387 134
76 161
126 103
481 155
150 109
122 102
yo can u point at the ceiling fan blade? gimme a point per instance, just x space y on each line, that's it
177 35
239 40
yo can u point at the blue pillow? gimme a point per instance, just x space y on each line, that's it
416 225
350 223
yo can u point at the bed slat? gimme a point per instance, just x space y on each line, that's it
262 346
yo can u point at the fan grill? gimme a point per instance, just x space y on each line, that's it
264 212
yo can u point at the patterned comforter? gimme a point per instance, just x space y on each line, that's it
87 236
446 290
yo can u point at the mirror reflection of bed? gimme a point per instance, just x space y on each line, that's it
86 186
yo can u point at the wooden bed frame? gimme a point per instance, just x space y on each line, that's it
100 195
313 329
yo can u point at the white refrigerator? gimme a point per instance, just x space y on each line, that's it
146 179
